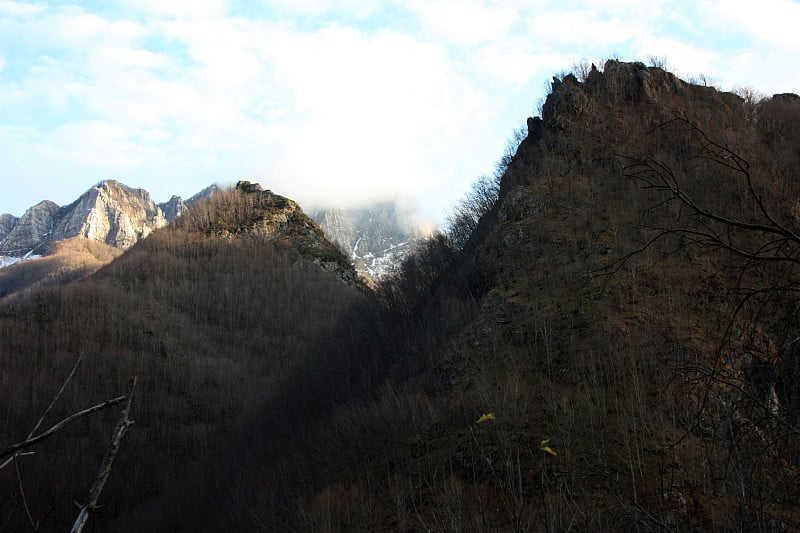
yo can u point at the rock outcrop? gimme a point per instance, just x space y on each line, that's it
208 192
7 223
250 210
377 237
175 207
109 212
31 231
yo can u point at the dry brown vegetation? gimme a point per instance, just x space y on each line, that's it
65 261
591 307
210 325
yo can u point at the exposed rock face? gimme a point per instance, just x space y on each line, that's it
110 212
208 192
377 237
620 83
7 223
338 226
31 231
173 208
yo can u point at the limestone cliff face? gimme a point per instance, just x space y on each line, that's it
338 226
7 223
31 231
377 237
109 212
173 208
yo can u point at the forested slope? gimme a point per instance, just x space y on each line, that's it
212 317
626 313
612 347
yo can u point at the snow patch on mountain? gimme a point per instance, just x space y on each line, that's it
377 237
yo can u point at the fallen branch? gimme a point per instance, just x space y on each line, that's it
123 424
72 418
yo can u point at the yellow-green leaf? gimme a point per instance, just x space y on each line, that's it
549 450
484 418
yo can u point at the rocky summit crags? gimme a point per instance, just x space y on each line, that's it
109 212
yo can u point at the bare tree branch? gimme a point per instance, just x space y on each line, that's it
49 407
34 524
10 450
123 424
57 396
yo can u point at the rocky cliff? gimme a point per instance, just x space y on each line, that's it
31 231
109 212
7 223
610 287
377 236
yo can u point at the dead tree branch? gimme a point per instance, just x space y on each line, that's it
123 424
11 450
778 242
49 408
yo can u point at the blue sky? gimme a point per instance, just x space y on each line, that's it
328 101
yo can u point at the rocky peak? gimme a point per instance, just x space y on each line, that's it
109 212
112 213
247 187
250 210
173 208
31 231
208 192
7 223
652 92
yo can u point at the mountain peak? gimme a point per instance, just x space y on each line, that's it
249 210
109 212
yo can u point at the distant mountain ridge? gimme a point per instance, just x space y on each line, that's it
110 212
72 242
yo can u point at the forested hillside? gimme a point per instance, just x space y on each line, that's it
610 345
213 314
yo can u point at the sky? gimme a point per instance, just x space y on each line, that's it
326 101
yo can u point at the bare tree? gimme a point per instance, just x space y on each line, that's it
760 245
761 237
658 62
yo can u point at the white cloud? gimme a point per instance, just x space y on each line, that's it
117 58
66 30
94 141
772 21
757 70
376 112
682 59
464 23
416 97
356 8
12 9
182 9
585 28
513 67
